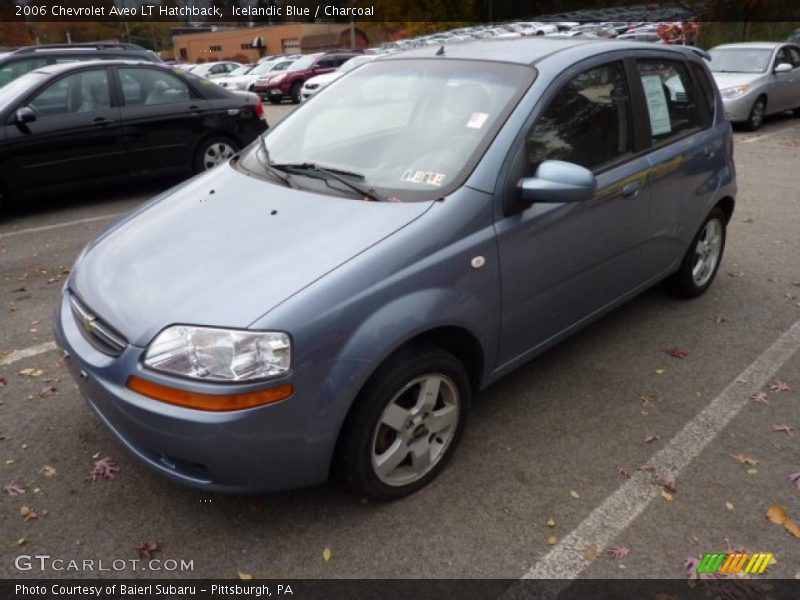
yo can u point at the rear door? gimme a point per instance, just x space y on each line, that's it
77 134
783 95
163 117
685 154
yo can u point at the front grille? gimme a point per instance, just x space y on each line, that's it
312 86
98 333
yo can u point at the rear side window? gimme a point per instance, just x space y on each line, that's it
152 87
11 70
707 91
672 101
588 122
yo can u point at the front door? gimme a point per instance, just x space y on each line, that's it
562 263
76 135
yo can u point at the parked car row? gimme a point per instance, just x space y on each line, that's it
66 125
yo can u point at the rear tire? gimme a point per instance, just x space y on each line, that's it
214 150
405 423
275 99
756 118
701 261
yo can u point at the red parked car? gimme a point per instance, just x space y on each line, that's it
288 83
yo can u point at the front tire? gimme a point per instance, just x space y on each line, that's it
702 259
406 423
756 118
295 92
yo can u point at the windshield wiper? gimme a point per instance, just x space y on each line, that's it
269 168
337 174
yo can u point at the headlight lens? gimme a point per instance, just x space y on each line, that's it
735 92
219 354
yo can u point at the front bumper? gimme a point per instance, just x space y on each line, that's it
737 110
269 448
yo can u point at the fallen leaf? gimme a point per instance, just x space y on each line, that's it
730 506
752 471
747 220
667 496
15 488
50 390
660 371
574 494
779 386
619 552
551 522
27 513
736 274
327 554
31 372
647 468
21 542
778 515
47 471
245 576
719 319
623 471
795 479
3 382
677 352
646 401
744 459
653 437
787 429
148 549
591 553
760 397
670 481
552 540
103 469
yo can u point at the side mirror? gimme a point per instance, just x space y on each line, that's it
783 68
24 115
557 181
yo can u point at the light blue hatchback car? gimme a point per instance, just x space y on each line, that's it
335 294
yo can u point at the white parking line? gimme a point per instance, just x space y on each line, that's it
16 355
566 561
59 225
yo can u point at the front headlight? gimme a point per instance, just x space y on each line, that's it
735 92
213 354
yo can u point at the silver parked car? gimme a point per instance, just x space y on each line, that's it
333 296
757 79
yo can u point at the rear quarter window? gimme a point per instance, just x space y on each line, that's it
707 91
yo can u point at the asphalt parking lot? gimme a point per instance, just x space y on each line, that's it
606 441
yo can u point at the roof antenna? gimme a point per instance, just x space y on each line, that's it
440 51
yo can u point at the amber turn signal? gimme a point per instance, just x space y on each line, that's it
211 402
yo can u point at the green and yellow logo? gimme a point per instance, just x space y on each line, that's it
734 562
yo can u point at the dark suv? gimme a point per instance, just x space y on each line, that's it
288 83
23 60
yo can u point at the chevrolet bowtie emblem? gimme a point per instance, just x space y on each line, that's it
88 323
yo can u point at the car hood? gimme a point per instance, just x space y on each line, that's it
223 250
325 78
727 80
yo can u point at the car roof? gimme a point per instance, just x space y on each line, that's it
530 50
758 45
75 66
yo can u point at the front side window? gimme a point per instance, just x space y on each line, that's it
410 128
670 98
83 92
152 87
794 56
588 122
707 88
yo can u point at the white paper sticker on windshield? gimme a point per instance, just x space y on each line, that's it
477 120
656 104
424 177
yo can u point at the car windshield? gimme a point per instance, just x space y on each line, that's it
354 62
13 89
243 70
739 60
303 62
414 128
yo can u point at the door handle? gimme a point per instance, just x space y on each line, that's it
632 188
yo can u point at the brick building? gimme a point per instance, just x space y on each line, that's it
278 39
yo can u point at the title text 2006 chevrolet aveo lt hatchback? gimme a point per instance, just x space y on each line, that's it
335 294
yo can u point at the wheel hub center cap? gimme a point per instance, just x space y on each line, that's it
419 431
